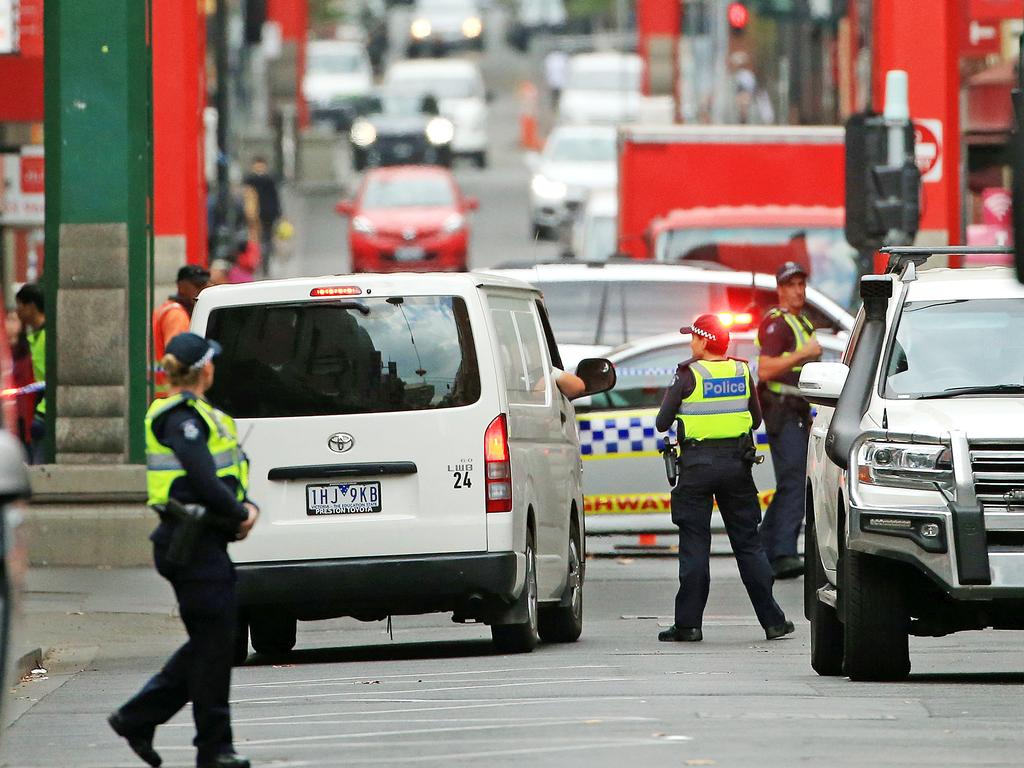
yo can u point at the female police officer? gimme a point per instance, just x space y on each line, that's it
193 458
716 405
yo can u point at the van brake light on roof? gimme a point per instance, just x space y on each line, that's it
336 290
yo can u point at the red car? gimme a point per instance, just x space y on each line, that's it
408 218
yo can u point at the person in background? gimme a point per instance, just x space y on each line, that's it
219 272
556 68
30 307
173 316
269 206
21 376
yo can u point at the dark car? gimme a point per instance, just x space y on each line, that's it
401 129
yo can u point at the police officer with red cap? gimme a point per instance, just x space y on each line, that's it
714 404
786 340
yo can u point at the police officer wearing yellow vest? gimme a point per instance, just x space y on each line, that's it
193 458
30 306
786 340
713 401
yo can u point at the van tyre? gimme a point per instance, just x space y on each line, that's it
563 623
826 629
523 637
272 635
876 644
241 649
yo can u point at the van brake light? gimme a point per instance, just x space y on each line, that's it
497 469
336 290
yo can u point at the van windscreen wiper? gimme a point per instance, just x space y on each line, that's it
986 389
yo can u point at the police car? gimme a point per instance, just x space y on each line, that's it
624 484
596 307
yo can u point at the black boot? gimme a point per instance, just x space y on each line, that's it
681 635
779 630
227 760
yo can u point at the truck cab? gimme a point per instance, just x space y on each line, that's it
915 468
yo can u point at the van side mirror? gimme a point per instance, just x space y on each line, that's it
822 383
597 373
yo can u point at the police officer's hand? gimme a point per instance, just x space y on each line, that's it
813 350
247 524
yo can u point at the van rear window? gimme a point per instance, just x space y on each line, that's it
372 355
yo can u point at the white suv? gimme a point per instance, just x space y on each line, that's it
915 468
410 453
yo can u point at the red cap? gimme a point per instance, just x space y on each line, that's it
709 327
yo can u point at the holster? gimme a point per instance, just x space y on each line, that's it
189 521
777 410
670 453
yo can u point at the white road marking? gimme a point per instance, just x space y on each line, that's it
354 720
380 685
419 674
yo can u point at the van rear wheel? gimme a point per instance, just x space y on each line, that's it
272 634
563 623
524 636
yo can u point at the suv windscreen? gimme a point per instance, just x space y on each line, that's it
374 355
942 347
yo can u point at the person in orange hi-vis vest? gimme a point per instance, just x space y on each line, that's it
173 316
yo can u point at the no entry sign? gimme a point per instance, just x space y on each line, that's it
928 149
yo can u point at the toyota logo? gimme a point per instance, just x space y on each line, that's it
340 442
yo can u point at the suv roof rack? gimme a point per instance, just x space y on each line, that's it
901 258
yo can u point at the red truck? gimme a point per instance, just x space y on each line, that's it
748 197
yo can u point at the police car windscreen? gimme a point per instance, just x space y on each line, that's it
370 355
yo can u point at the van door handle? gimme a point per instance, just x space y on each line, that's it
561 415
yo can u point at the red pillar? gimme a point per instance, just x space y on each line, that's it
927 45
179 96
659 22
292 16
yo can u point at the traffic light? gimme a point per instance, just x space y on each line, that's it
254 17
882 199
738 15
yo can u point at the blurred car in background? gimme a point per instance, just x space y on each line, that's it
338 76
533 17
439 26
630 492
576 159
595 307
593 235
408 218
602 88
400 128
459 89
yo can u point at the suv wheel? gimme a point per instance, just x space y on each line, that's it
522 638
272 634
876 645
826 629
563 623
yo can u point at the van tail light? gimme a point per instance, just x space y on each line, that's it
497 469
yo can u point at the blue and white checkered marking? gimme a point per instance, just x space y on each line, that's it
625 434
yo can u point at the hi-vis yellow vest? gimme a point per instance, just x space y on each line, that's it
163 467
803 332
718 408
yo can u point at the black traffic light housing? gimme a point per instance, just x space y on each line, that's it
882 200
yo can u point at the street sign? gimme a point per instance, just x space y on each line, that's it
22 185
928 149
981 37
8 42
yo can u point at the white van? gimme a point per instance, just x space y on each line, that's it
410 453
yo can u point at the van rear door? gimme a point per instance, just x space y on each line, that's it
364 423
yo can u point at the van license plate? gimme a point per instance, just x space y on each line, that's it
342 498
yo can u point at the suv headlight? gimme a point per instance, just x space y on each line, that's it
548 188
440 131
905 465
420 29
363 134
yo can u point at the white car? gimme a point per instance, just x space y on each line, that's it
624 484
410 453
915 469
459 88
596 307
439 26
595 228
602 88
338 74
576 159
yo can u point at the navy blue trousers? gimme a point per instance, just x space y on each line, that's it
199 671
708 474
785 514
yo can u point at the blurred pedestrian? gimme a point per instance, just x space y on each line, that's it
556 68
219 271
21 376
269 204
30 307
173 316
714 404
187 442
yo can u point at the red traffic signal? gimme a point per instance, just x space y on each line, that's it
738 15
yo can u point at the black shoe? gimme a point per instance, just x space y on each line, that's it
788 567
141 745
681 635
779 630
229 760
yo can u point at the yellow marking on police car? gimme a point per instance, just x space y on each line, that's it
642 503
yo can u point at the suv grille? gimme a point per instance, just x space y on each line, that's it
998 470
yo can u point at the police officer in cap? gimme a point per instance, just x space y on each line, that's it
713 401
193 457
786 340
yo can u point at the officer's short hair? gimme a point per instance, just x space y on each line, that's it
31 293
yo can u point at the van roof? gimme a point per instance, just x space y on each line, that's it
406 283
